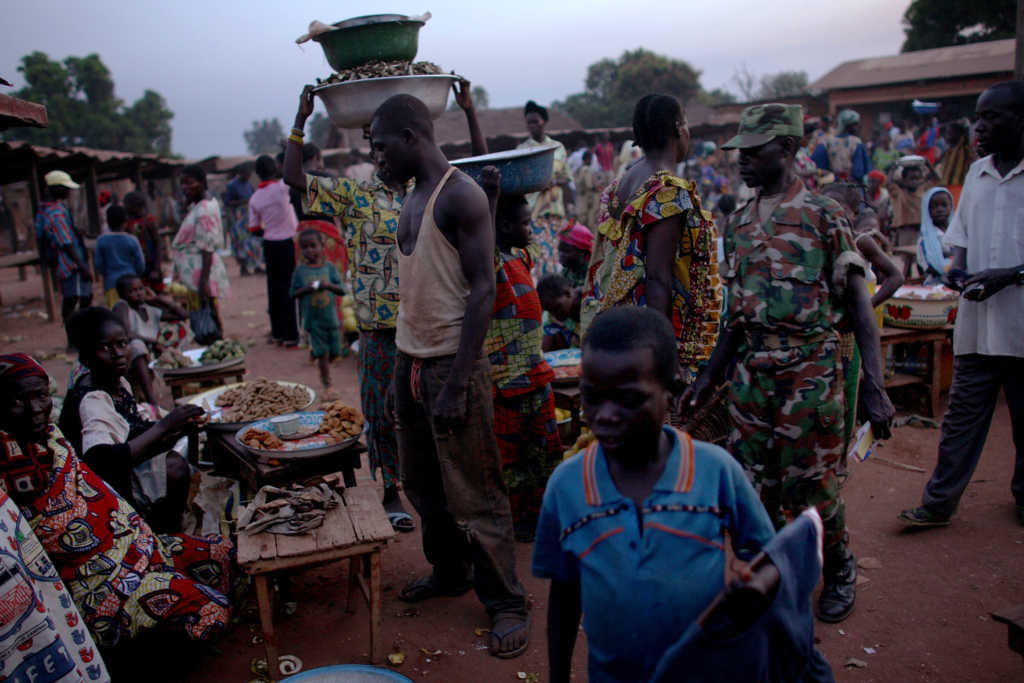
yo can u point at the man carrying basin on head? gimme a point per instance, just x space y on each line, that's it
442 387
369 216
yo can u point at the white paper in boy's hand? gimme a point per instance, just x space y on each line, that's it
864 443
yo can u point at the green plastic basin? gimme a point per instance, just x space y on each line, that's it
387 37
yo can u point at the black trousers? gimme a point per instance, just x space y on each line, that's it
977 380
280 259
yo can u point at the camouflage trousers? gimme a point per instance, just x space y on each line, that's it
786 412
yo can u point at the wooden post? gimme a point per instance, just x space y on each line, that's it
1018 62
137 177
45 272
92 203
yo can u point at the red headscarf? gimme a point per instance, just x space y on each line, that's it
15 366
578 235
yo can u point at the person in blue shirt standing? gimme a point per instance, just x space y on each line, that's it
844 153
117 254
632 530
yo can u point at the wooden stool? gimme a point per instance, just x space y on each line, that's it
1013 617
357 530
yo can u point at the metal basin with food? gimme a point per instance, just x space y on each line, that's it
387 37
522 170
921 307
208 401
351 104
196 368
311 445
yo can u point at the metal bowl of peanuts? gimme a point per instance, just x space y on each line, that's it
236 405
322 432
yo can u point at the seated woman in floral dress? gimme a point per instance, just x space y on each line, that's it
123 577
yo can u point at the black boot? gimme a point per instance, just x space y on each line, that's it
840 591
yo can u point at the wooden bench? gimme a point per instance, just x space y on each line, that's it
1013 617
357 530
204 380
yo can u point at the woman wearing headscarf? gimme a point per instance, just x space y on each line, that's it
197 265
123 578
655 246
547 207
932 258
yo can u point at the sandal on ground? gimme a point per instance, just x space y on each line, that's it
426 587
922 517
402 521
496 637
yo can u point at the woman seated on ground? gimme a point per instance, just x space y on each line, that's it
138 458
153 323
123 577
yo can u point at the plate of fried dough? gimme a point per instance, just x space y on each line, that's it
326 431
233 406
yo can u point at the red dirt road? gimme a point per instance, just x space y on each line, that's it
925 609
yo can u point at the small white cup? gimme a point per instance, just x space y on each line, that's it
285 425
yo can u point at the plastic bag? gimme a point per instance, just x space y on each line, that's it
205 325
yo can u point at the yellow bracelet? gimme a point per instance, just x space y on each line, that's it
296 139
299 132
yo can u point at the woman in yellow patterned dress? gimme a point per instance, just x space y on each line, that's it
655 246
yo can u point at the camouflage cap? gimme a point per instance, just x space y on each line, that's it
764 122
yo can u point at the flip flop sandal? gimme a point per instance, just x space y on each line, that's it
425 588
496 637
402 521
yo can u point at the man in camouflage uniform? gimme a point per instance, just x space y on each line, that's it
794 276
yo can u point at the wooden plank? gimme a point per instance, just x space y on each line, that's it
368 516
337 530
273 565
296 546
255 547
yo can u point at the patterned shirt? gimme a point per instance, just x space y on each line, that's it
789 274
369 214
513 342
618 269
55 230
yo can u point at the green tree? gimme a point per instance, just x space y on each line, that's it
319 130
83 109
782 84
715 97
613 86
264 137
940 23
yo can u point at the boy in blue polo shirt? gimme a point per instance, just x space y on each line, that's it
632 530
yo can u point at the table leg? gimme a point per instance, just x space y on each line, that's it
348 473
48 296
354 567
266 607
376 646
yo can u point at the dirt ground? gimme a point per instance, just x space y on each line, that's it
923 607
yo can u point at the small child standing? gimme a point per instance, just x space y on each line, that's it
117 254
315 283
561 303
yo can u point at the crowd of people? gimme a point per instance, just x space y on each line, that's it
742 277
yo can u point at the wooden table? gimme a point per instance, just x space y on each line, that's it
228 453
20 259
933 382
204 380
567 397
357 530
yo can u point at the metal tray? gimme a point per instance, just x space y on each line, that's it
232 427
299 449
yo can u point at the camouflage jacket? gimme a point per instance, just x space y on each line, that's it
789 275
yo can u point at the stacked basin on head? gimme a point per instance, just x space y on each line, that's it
378 37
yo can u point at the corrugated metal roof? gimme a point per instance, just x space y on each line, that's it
945 62
16 112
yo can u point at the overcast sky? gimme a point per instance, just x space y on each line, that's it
223 63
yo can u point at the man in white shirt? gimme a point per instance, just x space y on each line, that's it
987 238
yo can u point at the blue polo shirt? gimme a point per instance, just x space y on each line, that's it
645 579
